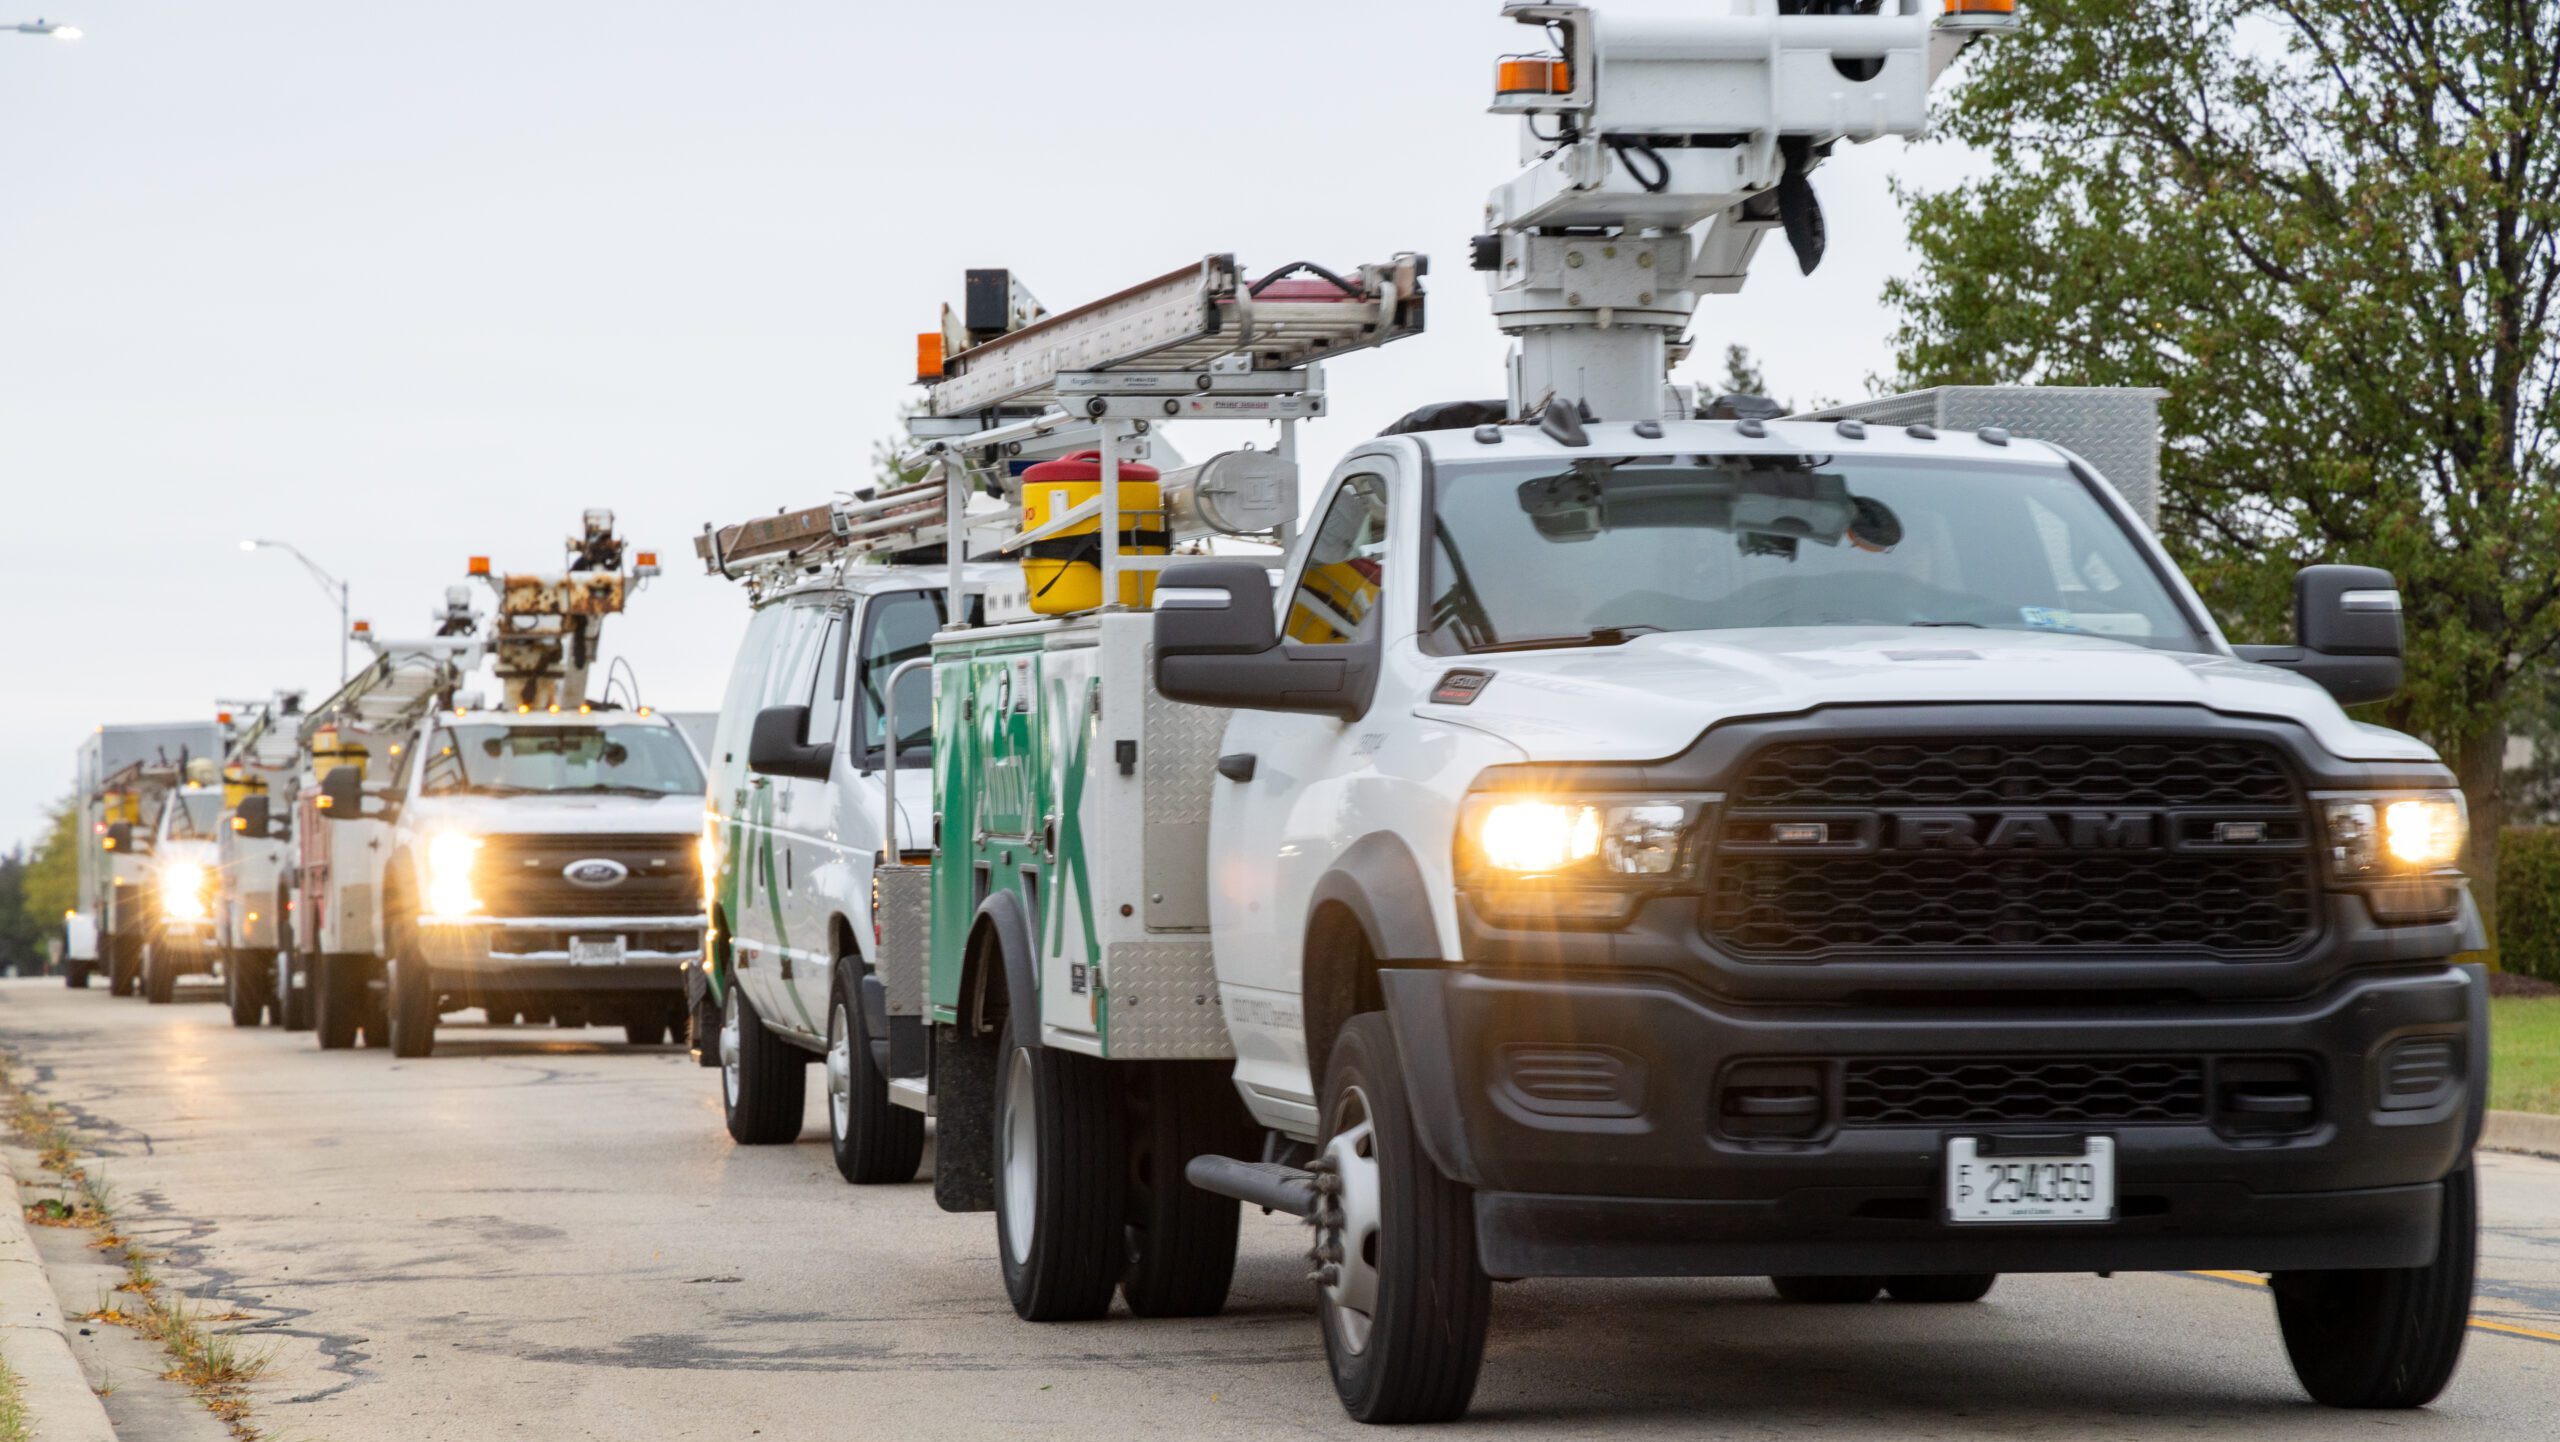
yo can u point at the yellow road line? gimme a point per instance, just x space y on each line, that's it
2484 1324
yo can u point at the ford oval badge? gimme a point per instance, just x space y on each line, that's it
595 871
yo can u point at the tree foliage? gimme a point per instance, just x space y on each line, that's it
2327 231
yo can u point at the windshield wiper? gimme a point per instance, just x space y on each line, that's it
1968 625
1596 636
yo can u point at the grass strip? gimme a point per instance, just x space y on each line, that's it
2524 1050
215 1365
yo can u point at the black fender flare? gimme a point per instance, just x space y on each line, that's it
1380 883
1002 915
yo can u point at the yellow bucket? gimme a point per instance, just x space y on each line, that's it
1063 571
329 751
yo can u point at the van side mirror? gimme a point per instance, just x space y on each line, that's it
779 745
342 794
256 817
1217 645
2347 633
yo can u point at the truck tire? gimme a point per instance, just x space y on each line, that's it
338 1000
75 975
1401 1296
702 1036
243 989
1948 1287
410 998
123 962
876 1141
159 977
1181 1241
2388 1337
1061 1182
293 1003
1827 1291
652 1032
764 1080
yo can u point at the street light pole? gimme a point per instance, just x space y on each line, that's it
41 26
328 583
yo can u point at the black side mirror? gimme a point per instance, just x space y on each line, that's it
342 794
779 745
1216 645
255 817
120 836
2347 634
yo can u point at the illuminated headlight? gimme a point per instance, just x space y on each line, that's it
185 891
1572 860
2400 849
450 859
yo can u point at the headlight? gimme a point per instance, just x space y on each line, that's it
185 891
450 859
1571 859
2400 849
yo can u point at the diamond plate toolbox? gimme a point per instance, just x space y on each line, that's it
1164 1001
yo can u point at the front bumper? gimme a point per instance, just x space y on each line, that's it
535 951
1599 1119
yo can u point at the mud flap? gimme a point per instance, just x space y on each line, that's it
964 1134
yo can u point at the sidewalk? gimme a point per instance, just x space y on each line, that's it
2522 1132
59 1404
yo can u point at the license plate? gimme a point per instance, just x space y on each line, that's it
2022 1179
595 951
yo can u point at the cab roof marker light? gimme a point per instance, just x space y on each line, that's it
2369 601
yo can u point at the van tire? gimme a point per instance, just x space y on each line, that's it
1415 1355
338 1003
876 1141
2386 1337
1180 1240
764 1080
1061 1181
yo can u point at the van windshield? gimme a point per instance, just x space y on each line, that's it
502 760
1528 554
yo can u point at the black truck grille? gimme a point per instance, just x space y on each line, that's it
528 876
2012 844
1954 1092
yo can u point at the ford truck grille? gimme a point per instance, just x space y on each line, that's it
2195 844
533 876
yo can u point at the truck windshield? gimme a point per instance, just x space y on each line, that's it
1527 554
502 760
195 815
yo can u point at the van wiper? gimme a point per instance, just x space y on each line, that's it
1596 636
1968 625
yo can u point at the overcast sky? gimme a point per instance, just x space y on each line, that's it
401 283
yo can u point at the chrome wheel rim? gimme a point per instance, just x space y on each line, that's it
1019 1129
729 1044
840 1072
1348 1245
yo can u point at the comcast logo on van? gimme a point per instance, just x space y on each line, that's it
595 871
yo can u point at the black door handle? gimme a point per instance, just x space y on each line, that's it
1236 767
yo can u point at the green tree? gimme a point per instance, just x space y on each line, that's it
2328 232
41 885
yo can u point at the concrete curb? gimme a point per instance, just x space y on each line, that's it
55 1390
2522 1132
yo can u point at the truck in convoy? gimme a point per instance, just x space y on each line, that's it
253 860
123 776
534 855
1629 835
179 938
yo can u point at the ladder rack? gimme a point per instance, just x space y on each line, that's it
1200 343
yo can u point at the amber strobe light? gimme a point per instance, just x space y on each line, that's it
928 356
1541 74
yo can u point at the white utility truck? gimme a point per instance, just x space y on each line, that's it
124 773
535 857
254 859
1645 838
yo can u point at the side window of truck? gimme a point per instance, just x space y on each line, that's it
898 627
1345 567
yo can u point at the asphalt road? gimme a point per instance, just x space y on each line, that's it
547 1233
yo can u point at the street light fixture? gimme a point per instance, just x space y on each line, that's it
331 584
42 26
